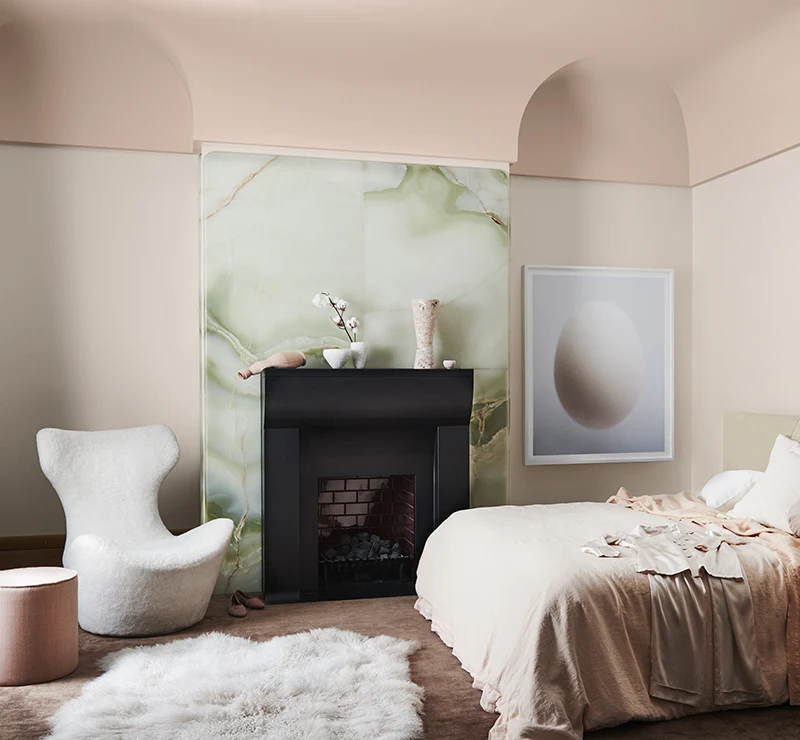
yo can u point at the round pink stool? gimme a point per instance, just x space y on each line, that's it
38 624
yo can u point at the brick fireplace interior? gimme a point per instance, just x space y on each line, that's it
380 506
365 529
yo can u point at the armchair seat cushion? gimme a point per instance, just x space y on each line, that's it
163 553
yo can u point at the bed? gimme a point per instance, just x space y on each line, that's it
559 641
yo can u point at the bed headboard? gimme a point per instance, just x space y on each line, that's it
747 439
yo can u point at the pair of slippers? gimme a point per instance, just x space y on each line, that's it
241 602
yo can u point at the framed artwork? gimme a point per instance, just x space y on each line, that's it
598 365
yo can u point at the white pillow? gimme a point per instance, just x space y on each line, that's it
726 489
770 500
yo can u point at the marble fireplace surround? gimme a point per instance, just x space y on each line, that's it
278 226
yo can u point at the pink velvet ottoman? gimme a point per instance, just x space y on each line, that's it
38 624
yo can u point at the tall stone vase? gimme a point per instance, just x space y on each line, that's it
424 311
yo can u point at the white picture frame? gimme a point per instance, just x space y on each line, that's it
598 364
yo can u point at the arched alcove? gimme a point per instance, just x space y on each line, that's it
593 120
90 83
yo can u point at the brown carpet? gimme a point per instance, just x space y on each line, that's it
452 709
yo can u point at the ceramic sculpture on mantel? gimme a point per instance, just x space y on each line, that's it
285 360
335 357
424 311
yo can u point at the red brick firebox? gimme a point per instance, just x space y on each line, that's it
382 506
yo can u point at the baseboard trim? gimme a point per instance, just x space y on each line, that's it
44 541
33 542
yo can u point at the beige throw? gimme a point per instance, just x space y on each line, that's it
695 577
784 552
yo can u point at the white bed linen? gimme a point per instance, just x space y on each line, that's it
558 640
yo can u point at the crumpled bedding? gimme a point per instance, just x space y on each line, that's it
686 564
559 642
675 547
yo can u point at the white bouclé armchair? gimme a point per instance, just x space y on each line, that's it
134 576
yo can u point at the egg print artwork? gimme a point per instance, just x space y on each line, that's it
599 365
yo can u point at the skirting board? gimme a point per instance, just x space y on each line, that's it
33 542
44 541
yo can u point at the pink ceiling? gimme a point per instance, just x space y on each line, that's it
594 120
426 77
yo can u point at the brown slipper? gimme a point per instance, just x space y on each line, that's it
248 600
236 609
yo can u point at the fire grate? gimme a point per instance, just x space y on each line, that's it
337 573
362 558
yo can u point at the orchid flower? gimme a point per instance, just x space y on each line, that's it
352 325
338 306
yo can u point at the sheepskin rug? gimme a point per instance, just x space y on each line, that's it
327 684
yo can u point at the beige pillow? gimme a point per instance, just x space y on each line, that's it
770 500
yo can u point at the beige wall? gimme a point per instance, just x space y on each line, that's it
573 222
100 305
99 291
103 277
593 121
746 344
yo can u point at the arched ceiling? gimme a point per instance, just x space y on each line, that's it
596 119
447 78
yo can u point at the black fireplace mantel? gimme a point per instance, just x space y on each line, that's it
366 398
343 423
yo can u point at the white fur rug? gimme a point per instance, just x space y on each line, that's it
325 684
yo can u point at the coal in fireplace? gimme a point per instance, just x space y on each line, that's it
359 467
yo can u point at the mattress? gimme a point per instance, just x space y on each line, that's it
558 641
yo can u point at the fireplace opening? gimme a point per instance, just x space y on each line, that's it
365 530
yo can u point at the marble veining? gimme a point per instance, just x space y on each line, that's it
277 230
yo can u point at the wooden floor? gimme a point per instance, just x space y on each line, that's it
452 709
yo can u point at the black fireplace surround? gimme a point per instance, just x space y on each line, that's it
343 452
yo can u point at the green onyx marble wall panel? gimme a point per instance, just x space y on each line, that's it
277 230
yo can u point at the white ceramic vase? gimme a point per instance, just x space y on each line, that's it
425 311
336 358
359 352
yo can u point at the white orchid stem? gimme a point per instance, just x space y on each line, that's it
340 314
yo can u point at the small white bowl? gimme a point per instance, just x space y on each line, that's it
336 358
449 364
